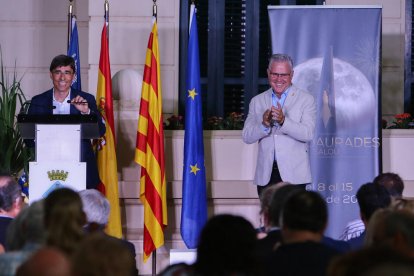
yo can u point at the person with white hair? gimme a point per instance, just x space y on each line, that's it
96 208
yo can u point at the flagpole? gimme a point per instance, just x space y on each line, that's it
70 14
154 9
106 7
154 253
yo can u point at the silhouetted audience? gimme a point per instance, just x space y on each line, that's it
46 261
227 246
97 255
393 228
303 221
11 202
395 187
392 183
26 234
265 199
371 197
64 219
372 261
271 216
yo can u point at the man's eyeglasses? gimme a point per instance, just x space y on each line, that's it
65 73
279 75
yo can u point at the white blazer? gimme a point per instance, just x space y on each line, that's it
291 141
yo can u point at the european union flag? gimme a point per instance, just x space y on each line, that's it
73 51
194 209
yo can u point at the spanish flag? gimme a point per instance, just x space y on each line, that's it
106 154
149 151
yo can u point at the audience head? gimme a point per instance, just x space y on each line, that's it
11 200
227 246
27 227
266 200
392 183
371 261
371 197
278 200
394 228
101 255
64 219
305 211
96 207
46 262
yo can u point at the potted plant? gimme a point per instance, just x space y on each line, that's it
14 156
401 121
398 146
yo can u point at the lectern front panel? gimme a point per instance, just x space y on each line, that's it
58 143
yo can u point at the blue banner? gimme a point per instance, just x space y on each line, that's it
73 51
194 209
336 51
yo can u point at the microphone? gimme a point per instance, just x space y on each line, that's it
84 102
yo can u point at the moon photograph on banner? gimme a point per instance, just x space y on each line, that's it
354 95
336 55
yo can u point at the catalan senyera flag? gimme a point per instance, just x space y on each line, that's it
149 151
106 154
194 208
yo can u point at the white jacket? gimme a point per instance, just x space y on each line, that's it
291 141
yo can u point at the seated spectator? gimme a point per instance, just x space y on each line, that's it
395 229
303 221
392 183
395 187
26 234
96 208
98 255
372 261
178 269
371 197
11 203
271 216
338 245
64 219
46 261
265 199
227 246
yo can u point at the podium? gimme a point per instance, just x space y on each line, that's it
57 141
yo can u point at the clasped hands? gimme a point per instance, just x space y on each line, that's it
273 115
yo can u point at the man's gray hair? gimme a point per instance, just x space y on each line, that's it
10 191
280 58
95 206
